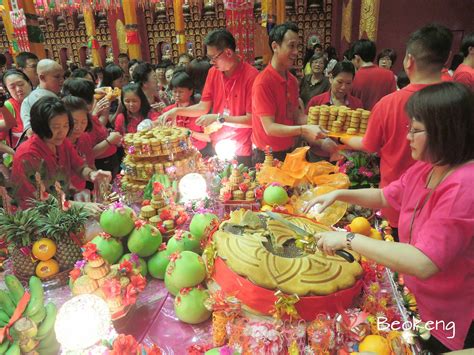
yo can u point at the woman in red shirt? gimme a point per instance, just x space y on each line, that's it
18 86
182 88
340 78
136 110
48 152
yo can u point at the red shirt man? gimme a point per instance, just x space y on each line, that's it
277 97
371 83
228 92
232 96
276 118
388 123
464 74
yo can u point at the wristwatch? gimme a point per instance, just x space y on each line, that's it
220 118
349 237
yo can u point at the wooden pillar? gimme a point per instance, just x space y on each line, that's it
280 12
93 43
131 27
5 11
35 34
179 25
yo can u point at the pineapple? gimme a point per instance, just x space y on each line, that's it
58 225
20 230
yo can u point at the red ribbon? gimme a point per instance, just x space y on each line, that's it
263 300
132 37
20 308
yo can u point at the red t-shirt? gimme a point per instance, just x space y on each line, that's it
387 135
234 94
274 96
445 75
325 99
99 133
131 126
464 74
84 148
372 83
190 123
34 155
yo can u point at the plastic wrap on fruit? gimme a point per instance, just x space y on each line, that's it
145 125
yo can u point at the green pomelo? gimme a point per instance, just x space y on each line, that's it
200 222
275 195
144 240
189 306
186 270
142 267
118 222
157 264
111 249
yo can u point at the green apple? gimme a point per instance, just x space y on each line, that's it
111 249
144 240
118 220
189 305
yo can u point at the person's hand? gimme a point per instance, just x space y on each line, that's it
101 107
323 201
206 120
166 118
158 107
93 208
329 242
114 138
100 175
329 146
313 132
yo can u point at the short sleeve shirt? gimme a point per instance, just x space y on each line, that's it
371 83
234 94
464 74
274 96
443 230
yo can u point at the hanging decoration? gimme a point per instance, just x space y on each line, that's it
179 25
48 7
241 23
20 31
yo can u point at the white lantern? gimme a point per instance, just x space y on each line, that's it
192 187
82 322
226 149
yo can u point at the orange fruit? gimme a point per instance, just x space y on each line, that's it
376 344
44 249
375 234
360 225
47 268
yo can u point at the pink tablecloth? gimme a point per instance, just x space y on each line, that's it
152 320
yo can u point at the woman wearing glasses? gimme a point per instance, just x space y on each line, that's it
436 204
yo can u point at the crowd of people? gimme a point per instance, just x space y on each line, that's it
68 126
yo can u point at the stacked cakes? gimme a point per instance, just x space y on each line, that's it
160 150
237 188
339 119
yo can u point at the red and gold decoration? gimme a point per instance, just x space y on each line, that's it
93 43
34 34
179 25
240 21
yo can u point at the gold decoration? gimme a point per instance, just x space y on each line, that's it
369 17
285 304
346 30
120 28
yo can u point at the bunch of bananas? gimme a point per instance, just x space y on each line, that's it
33 332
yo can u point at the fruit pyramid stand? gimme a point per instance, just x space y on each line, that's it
160 291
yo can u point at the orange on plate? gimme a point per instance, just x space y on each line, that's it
44 249
376 344
47 268
360 225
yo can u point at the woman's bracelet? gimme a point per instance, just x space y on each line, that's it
107 140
